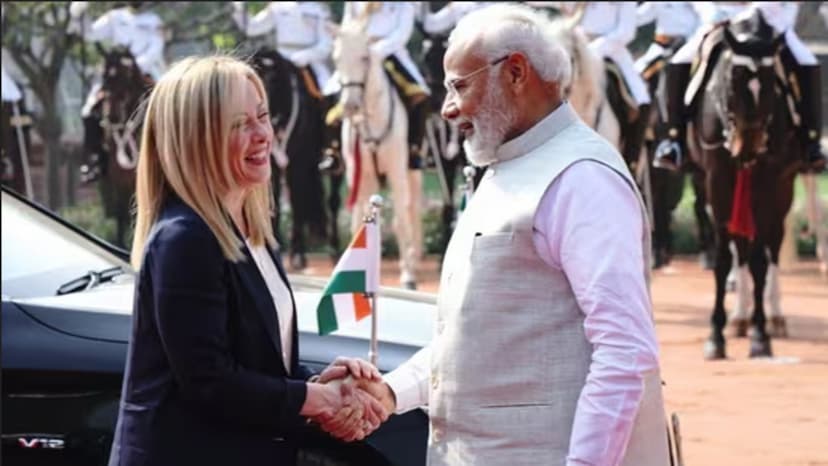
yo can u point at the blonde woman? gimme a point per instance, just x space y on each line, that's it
212 374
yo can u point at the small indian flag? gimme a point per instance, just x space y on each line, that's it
344 300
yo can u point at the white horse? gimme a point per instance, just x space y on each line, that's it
376 122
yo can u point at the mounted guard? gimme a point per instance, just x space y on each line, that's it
801 76
141 32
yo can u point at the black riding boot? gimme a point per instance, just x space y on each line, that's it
417 114
92 147
811 112
635 138
670 152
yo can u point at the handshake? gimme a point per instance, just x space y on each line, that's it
349 400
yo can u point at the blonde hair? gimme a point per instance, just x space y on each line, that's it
184 150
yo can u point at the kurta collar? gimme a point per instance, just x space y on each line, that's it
543 130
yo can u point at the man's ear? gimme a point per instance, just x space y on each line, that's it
517 67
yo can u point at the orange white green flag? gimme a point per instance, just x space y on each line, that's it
355 277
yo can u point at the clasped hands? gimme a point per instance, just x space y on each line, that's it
349 400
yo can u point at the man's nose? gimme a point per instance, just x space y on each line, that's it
449 111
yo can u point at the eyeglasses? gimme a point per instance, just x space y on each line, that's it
451 85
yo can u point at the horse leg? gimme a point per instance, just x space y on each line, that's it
779 327
402 223
705 227
739 279
759 340
334 204
714 348
415 185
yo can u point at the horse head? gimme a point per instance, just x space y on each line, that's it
746 83
354 64
279 77
121 75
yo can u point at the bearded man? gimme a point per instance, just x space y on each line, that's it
544 350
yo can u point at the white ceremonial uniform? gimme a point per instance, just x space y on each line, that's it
710 13
10 91
672 19
299 33
782 16
141 31
502 387
443 21
611 26
390 26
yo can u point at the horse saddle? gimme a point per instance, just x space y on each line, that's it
709 50
619 94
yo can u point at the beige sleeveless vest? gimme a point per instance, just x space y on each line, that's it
510 357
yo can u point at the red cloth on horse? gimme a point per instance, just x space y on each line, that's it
357 169
741 214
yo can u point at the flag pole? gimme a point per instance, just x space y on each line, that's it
374 217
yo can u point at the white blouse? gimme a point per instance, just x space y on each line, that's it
281 297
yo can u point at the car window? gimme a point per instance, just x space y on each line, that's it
40 254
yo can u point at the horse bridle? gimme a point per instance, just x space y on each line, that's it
372 140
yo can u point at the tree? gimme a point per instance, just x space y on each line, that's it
39 44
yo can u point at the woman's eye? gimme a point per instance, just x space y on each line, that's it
264 116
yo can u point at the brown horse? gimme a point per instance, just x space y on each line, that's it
114 156
746 145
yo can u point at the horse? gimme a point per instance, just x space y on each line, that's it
374 142
667 187
586 90
113 149
298 123
742 135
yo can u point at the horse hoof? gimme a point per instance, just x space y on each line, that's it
760 347
410 285
740 327
779 327
714 350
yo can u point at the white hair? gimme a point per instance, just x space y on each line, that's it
501 29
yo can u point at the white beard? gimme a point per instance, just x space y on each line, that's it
494 119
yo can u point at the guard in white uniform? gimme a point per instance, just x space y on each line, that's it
611 26
299 33
797 58
782 17
443 21
675 22
390 25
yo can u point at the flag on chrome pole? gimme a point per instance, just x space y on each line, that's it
355 279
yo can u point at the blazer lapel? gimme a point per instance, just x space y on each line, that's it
294 331
257 289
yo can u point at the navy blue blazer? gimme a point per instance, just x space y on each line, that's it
205 382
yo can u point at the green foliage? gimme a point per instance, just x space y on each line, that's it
90 217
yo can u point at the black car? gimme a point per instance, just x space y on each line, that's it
66 319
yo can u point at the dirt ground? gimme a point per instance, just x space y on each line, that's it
760 412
